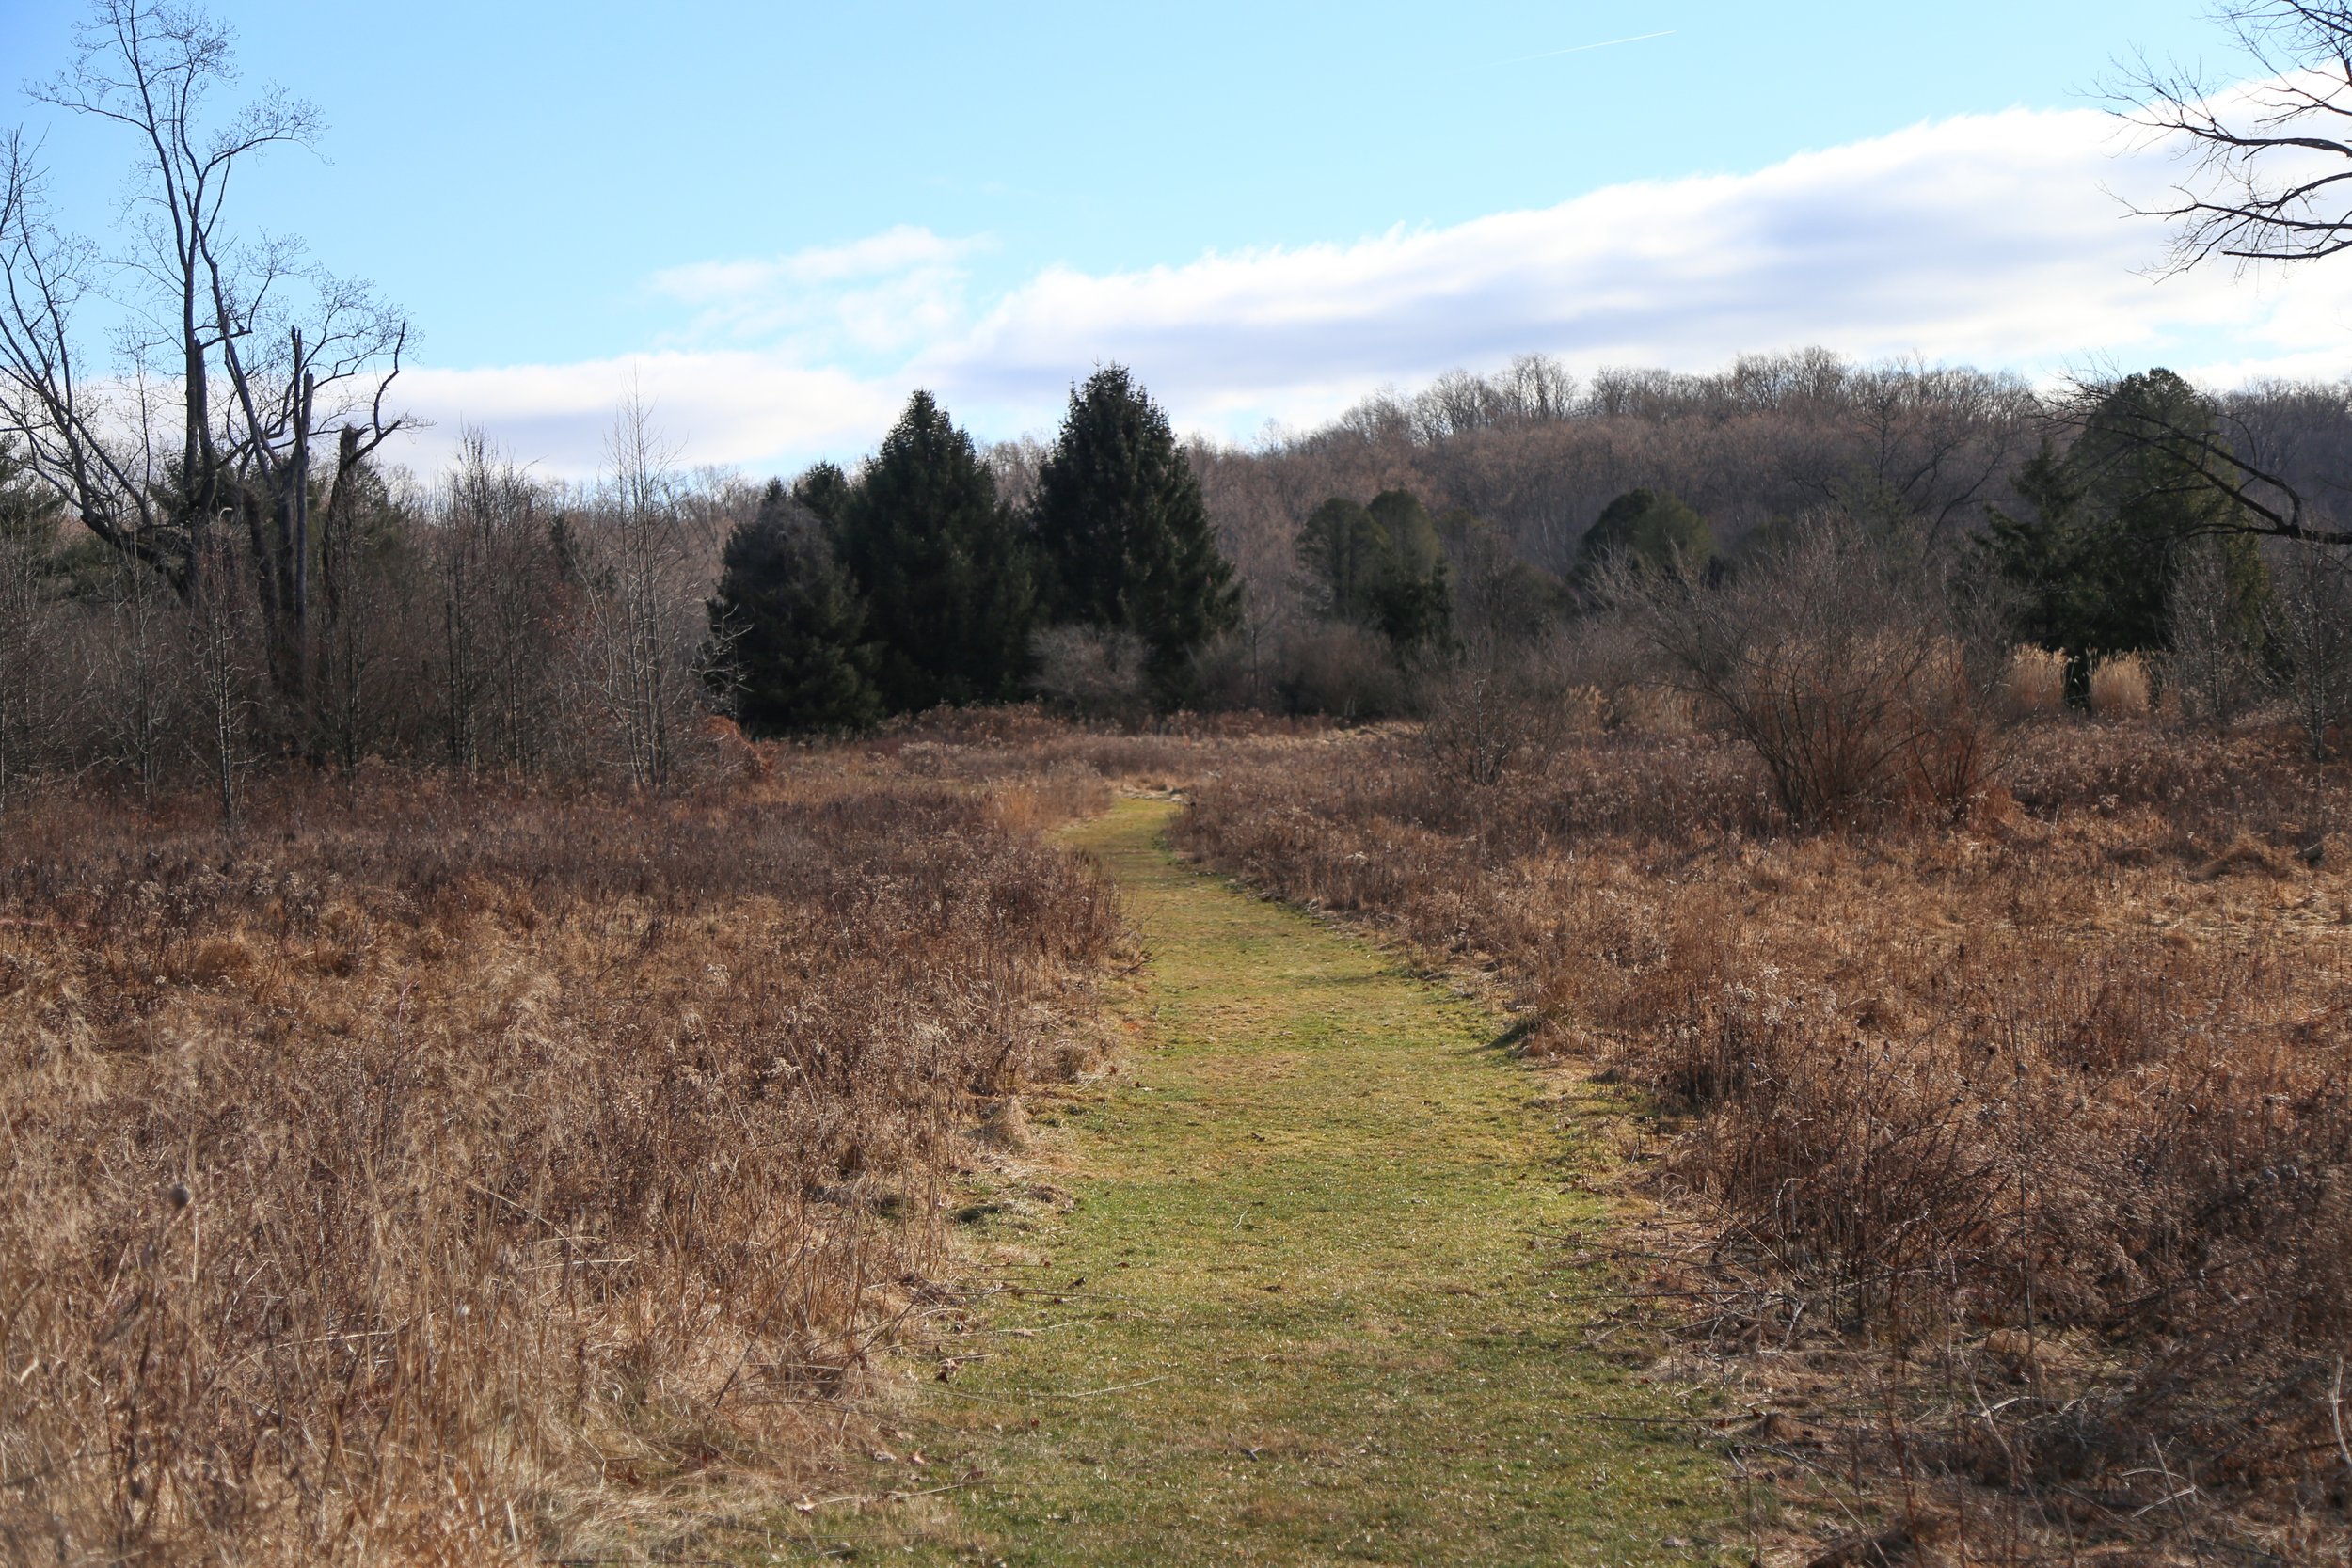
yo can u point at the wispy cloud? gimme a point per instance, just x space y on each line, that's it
1588 48
1988 238
883 292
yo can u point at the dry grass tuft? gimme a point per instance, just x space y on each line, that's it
2035 684
1007 1125
1649 709
2119 688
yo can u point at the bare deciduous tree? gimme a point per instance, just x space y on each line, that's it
140 679
499 611
2212 668
367 609
2310 620
223 658
239 357
640 636
32 695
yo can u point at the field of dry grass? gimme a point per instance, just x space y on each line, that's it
456 1173
441 1173
2015 1162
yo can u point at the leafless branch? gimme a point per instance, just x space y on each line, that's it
265 350
2270 160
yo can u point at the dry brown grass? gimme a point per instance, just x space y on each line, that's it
438 1174
2029 1144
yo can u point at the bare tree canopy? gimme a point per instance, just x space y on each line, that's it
2271 159
189 445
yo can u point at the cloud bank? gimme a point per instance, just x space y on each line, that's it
2001 240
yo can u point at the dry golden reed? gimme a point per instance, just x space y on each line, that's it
2035 684
2119 688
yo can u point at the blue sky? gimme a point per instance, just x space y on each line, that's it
780 217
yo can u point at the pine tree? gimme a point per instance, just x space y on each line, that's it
1124 538
785 626
942 566
1382 567
1413 597
2110 522
2043 555
1345 552
1503 599
824 489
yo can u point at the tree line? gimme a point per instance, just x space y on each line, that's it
204 563
2106 517
913 584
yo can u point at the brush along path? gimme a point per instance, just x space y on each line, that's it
1308 1306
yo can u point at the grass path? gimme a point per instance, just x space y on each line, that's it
1310 1302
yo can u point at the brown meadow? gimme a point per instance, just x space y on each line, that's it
442 1172
456 1173
2051 1116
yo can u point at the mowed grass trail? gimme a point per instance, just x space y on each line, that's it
1310 1304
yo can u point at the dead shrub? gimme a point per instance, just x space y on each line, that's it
1342 670
1488 718
2212 673
1091 674
2308 619
1843 659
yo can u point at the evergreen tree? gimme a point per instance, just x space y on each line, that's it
1382 567
2108 525
2043 555
1658 530
942 566
824 489
785 626
1123 539
1413 596
1501 598
1345 552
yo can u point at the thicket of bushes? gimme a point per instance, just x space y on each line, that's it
491 623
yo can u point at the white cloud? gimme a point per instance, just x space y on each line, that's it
1993 239
725 407
904 248
889 291
1987 238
